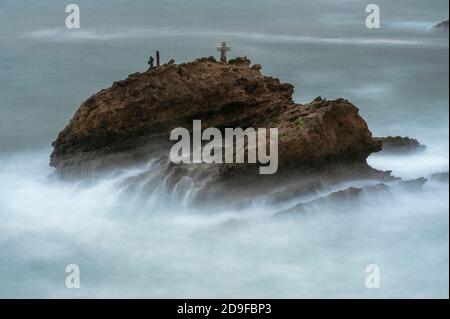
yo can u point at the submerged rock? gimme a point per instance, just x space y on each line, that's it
399 144
413 184
331 199
440 177
347 195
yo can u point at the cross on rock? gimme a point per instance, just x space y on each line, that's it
223 52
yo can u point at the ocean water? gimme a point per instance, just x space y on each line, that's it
128 247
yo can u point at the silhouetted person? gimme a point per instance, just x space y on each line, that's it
150 62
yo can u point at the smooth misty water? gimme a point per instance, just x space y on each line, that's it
397 76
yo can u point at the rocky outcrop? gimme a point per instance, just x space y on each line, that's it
399 144
347 195
442 177
131 121
441 26
413 184
351 195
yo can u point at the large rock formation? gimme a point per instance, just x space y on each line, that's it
130 123
144 108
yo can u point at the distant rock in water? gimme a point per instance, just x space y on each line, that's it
399 144
441 26
440 177
413 184
130 123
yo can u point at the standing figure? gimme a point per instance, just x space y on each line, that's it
223 52
150 62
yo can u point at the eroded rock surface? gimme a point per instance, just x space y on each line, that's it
131 120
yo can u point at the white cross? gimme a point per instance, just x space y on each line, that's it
223 52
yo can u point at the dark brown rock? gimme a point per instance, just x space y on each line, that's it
131 121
